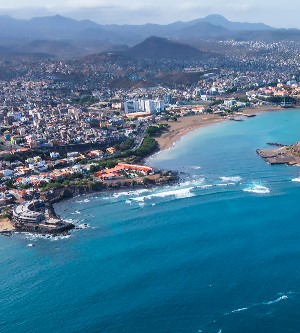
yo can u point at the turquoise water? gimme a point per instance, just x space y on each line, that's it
218 252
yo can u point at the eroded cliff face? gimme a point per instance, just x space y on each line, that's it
289 155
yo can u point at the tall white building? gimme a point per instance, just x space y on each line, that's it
144 105
131 106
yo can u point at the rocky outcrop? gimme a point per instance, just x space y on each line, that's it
289 155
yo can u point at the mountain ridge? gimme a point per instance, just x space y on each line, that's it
70 38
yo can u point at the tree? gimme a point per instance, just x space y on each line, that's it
148 146
11 157
95 168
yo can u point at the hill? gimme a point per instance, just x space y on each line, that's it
157 48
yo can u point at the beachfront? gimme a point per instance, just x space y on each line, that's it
184 125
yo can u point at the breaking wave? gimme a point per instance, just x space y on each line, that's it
234 179
257 188
34 237
129 193
296 180
179 194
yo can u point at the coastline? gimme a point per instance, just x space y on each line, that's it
185 125
176 131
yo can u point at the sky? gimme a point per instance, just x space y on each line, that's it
275 13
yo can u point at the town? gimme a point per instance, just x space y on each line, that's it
77 126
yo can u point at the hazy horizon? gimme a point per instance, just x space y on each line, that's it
134 12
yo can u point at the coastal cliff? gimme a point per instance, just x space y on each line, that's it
289 155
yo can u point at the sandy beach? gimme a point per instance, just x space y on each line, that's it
6 226
187 124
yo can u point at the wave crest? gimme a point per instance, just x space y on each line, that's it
256 188
179 194
234 179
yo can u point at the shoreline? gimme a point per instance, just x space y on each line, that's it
167 140
185 125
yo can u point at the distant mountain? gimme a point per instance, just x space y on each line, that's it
203 29
157 48
219 20
63 37
63 28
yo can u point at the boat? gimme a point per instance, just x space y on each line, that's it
236 119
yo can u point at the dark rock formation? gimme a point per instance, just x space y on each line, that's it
289 155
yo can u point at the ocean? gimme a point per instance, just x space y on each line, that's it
217 252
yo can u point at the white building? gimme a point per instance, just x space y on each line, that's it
131 106
229 103
144 105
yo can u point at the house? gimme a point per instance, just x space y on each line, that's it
111 150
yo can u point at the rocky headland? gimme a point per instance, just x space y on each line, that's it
281 154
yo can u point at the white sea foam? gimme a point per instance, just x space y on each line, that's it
56 238
35 237
225 184
279 299
234 179
76 212
195 167
83 226
129 193
256 188
70 220
239 310
83 201
179 194
296 180
206 186
193 182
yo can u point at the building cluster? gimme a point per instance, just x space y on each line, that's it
290 89
58 117
124 171
144 105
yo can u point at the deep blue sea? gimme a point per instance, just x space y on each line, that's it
219 252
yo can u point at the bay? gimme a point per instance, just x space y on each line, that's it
218 252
